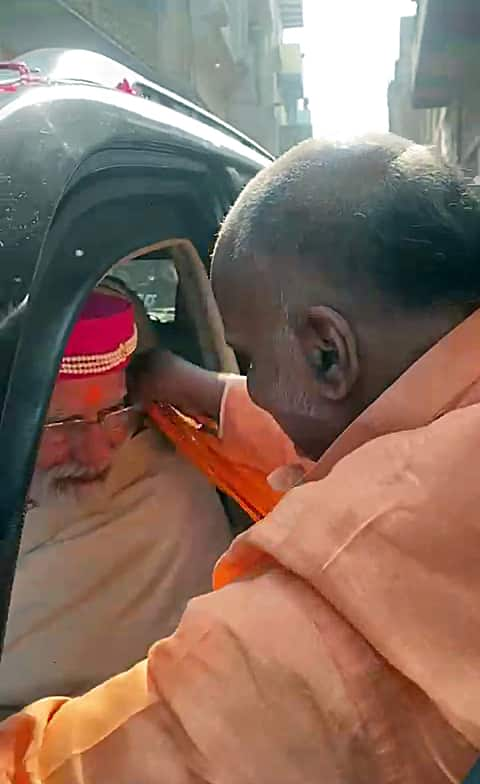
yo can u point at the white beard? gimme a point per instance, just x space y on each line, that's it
70 486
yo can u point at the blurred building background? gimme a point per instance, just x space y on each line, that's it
435 96
226 55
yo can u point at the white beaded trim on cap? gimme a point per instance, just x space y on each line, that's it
83 364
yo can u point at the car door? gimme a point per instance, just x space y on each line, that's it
155 224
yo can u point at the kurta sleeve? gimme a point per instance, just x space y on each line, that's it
249 434
263 682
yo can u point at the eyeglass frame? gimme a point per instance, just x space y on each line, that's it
101 417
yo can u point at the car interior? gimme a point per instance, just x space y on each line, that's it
161 248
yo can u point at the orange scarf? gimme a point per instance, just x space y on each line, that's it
196 440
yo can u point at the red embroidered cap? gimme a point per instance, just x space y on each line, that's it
103 339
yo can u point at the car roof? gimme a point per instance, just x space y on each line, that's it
79 66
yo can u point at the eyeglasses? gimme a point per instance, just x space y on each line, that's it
117 423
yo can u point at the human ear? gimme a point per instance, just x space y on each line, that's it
330 348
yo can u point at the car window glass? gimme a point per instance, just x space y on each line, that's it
155 280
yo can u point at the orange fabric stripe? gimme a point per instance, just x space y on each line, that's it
246 485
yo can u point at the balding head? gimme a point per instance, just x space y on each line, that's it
382 216
350 260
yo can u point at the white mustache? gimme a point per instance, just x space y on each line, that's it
67 482
75 471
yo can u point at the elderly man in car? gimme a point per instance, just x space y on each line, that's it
120 531
343 643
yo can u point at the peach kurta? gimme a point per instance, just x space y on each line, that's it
344 645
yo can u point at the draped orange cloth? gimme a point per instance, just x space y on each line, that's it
344 643
240 455
197 441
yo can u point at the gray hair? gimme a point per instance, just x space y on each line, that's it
380 215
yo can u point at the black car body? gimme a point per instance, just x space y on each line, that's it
96 165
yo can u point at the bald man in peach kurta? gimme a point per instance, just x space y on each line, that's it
343 641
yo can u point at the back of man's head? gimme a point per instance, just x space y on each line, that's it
380 215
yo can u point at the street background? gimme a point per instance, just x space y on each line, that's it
282 70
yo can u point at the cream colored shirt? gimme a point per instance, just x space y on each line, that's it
93 592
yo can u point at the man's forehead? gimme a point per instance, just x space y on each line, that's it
235 286
252 308
256 280
92 392
244 272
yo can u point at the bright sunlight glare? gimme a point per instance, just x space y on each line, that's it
350 48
